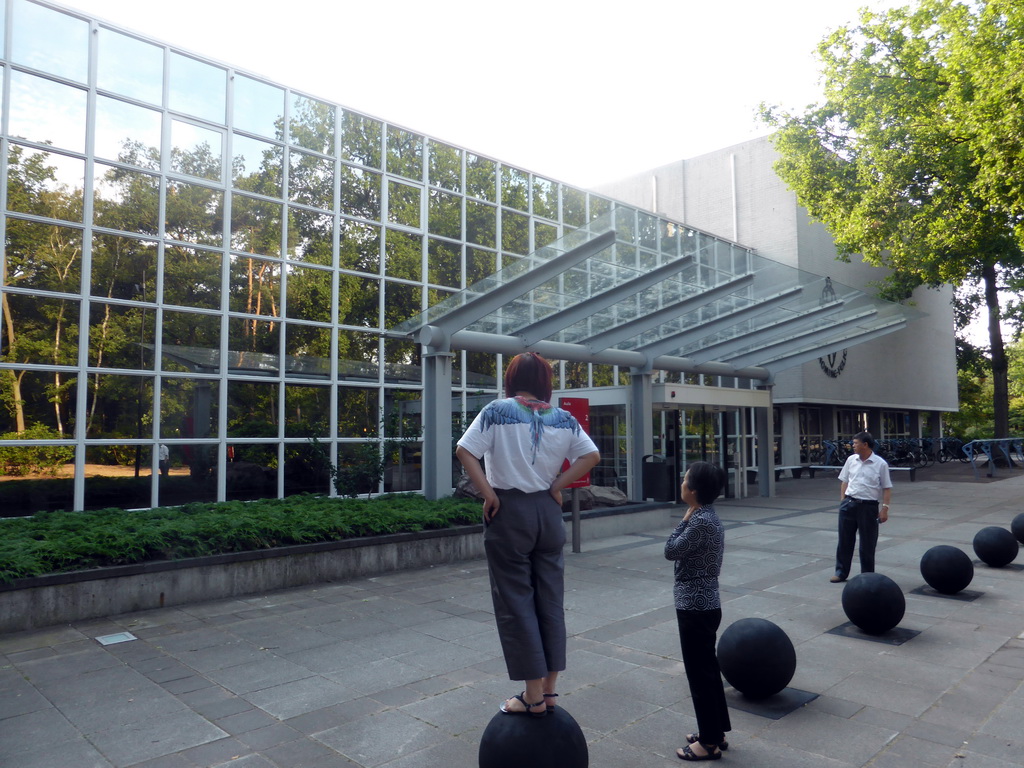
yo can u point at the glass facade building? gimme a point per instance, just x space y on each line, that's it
202 259
201 262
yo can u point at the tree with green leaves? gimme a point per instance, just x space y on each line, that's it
45 258
893 161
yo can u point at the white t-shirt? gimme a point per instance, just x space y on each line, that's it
524 442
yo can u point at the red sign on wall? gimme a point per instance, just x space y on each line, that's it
579 407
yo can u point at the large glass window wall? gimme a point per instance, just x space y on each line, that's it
198 258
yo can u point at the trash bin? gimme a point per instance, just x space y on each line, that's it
658 478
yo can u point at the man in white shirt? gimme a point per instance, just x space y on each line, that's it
864 482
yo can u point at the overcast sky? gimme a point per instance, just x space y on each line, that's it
582 92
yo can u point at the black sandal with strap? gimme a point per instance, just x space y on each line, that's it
692 738
528 706
714 753
551 704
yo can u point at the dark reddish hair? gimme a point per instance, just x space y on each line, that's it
529 372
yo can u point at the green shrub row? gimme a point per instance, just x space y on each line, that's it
55 542
21 461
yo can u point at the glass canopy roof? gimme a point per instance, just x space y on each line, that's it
634 282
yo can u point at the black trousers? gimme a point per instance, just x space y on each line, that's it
857 518
697 636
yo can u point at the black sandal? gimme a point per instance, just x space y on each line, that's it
551 704
526 704
695 737
688 754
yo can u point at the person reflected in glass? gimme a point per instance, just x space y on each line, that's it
523 442
697 545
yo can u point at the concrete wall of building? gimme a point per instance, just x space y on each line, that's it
736 194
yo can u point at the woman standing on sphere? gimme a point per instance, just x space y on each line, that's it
524 441
697 545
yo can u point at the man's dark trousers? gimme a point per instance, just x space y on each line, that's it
856 517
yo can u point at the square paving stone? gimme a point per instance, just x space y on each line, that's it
380 738
775 707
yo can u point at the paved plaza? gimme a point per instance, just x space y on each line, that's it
404 670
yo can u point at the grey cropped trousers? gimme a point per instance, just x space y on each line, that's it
523 543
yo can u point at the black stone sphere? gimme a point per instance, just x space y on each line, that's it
947 569
995 546
518 741
873 602
1017 527
756 657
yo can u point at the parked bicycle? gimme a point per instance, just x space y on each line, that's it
951 448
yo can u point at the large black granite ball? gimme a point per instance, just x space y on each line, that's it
947 569
995 546
874 602
517 741
1017 527
756 657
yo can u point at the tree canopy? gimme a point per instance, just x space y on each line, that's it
907 159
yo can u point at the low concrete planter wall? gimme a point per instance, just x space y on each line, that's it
66 597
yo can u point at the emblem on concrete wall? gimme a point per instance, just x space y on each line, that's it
833 364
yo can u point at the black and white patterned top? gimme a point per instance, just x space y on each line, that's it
697 546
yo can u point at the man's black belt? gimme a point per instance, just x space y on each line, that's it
862 501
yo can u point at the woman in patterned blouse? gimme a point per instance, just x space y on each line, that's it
696 546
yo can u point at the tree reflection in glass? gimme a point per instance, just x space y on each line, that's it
256 225
358 301
128 133
196 151
191 342
194 214
403 255
545 198
481 177
255 286
361 139
481 223
309 294
444 214
45 184
515 188
405 153
445 166
256 166
444 261
404 204
360 246
126 200
312 125
192 277
360 193
311 180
